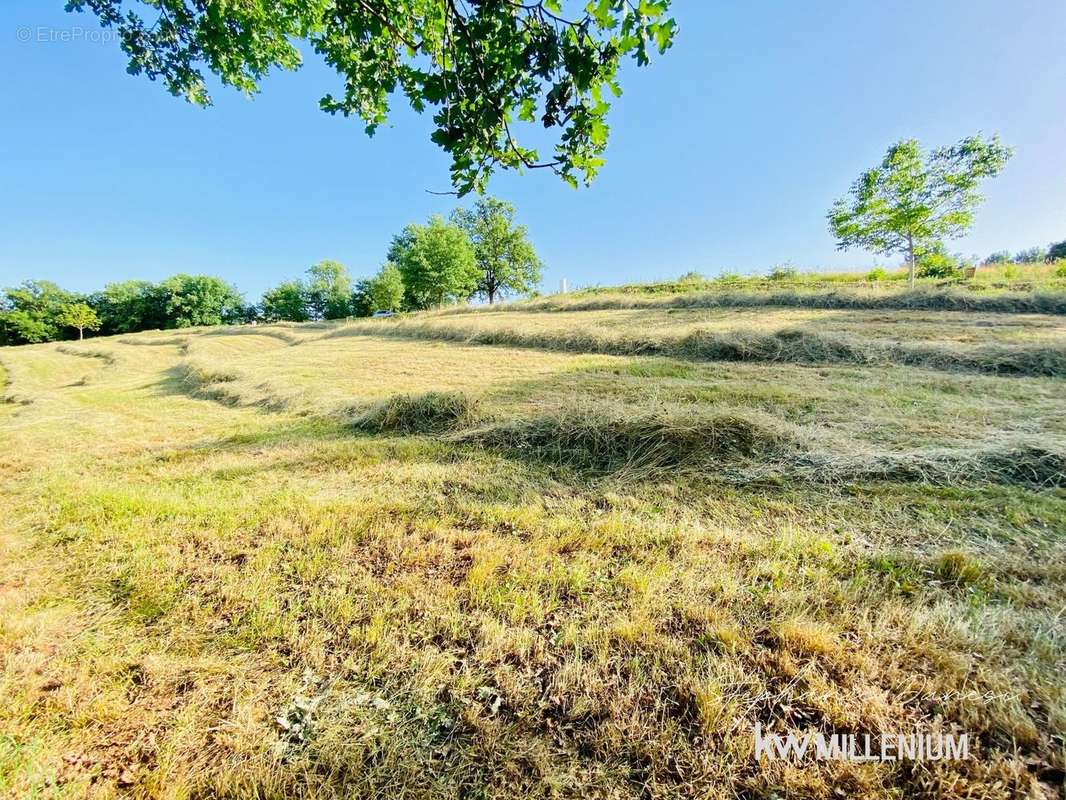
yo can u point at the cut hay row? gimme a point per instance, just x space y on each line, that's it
601 439
746 448
786 346
1019 463
200 379
159 341
7 395
432 412
604 439
742 445
272 332
733 445
909 300
107 356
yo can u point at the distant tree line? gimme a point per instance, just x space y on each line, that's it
934 260
478 252
40 311
1032 255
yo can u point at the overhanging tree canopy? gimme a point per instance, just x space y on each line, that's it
483 65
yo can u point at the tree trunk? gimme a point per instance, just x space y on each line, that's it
910 262
492 295
81 333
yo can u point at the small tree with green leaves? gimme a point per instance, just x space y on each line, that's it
129 306
329 290
385 290
22 327
192 300
80 316
505 257
913 199
286 301
360 300
30 312
436 262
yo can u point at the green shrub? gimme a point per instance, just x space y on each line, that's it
385 290
877 274
937 268
783 272
1060 270
1032 255
937 264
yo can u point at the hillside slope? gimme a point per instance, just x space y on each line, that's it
555 554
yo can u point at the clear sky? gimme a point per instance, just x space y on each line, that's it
725 153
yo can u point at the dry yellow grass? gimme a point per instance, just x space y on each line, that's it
948 326
212 585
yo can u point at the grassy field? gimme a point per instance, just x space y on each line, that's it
572 553
987 278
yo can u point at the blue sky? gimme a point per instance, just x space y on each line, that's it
725 153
